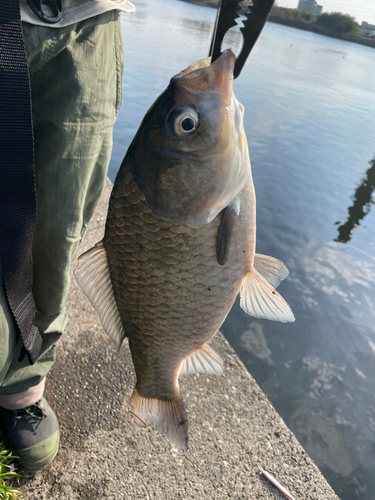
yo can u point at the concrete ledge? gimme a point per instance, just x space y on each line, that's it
104 454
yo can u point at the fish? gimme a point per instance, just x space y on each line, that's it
179 243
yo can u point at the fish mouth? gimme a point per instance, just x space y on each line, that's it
222 73
216 76
225 62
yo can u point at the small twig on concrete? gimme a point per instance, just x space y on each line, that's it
275 483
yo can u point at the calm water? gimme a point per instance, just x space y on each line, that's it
310 122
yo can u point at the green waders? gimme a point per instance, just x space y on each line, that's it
76 75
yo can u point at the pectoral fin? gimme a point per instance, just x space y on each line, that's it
205 360
260 299
92 275
231 212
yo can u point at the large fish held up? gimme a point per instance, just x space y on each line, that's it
179 243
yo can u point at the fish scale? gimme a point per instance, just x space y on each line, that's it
182 292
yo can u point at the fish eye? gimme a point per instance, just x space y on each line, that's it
183 121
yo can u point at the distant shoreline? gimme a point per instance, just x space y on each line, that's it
369 42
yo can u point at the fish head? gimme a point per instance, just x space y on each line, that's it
190 155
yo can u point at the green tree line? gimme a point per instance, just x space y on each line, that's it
333 24
333 21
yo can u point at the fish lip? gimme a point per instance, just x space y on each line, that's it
218 76
222 70
225 61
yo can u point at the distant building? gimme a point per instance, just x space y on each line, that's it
368 29
310 6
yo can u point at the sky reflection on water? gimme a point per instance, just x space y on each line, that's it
310 120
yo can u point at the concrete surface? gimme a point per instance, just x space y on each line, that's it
233 427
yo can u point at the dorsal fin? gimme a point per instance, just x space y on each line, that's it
260 299
204 360
92 275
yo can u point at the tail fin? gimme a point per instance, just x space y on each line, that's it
168 415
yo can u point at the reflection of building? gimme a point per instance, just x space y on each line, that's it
368 29
310 6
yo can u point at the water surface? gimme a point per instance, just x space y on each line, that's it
310 122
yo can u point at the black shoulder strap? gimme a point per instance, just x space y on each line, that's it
17 177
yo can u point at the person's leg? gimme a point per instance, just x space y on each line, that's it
75 75
8 333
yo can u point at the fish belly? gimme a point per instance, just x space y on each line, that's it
171 293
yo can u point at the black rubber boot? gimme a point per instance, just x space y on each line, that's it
32 434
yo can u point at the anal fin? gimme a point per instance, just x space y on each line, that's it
92 275
204 360
167 414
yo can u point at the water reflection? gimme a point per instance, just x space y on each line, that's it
193 26
361 207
